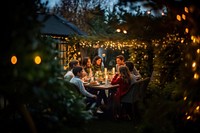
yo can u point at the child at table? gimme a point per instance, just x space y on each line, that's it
78 74
123 78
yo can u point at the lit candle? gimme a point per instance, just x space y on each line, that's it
106 79
113 71
105 71
92 79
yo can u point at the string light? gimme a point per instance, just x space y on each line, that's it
186 10
178 17
124 31
118 30
197 108
186 30
183 17
37 60
13 60
196 76
148 12
198 51
189 117
194 64
185 98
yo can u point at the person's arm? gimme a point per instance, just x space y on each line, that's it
133 79
84 91
69 75
115 79
136 73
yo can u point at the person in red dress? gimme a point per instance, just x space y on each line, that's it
123 78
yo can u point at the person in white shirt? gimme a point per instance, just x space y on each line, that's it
78 72
69 75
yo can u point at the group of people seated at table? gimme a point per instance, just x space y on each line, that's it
125 75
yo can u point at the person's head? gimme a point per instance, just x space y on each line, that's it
130 65
86 62
97 61
125 73
78 71
73 63
120 60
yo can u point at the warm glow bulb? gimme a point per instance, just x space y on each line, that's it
198 51
65 67
186 30
124 31
183 16
13 60
38 60
189 117
194 64
178 17
192 37
185 98
186 9
197 108
194 40
118 30
196 76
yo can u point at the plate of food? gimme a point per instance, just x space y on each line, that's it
94 83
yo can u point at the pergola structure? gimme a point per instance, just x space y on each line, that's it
60 29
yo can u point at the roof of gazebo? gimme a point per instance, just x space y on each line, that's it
58 26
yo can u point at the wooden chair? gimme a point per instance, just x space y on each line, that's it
134 96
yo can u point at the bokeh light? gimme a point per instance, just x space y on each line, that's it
13 60
38 60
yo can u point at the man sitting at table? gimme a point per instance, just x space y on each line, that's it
134 72
69 75
120 61
78 75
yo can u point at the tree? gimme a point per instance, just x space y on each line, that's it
177 99
33 95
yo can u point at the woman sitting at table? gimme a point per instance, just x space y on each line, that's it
87 66
97 64
97 67
124 79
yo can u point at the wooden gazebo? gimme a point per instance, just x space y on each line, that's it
59 28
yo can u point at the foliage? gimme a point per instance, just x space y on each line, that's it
173 104
142 55
165 110
36 100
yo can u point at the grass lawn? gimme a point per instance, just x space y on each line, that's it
110 126
104 124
